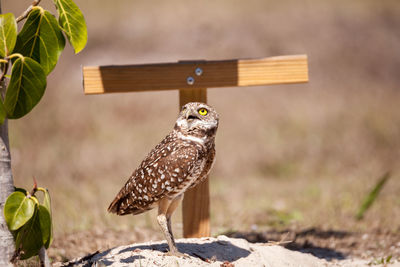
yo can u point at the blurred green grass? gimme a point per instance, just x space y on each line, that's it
282 151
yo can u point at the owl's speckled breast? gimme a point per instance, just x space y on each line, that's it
203 167
180 161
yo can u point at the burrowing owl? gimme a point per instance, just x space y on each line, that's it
181 161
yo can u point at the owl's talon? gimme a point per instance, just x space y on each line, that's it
176 254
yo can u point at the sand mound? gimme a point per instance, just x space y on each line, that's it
220 251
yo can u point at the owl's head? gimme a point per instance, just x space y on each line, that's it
197 119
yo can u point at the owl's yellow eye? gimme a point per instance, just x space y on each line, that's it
203 111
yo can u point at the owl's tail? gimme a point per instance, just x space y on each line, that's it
114 206
119 209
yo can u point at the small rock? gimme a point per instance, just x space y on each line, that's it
227 264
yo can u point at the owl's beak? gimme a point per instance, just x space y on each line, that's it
190 115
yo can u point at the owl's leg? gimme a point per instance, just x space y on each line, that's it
163 206
172 207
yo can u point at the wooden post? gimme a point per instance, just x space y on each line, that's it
196 203
172 76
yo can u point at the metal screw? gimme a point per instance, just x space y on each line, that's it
190 80
198 71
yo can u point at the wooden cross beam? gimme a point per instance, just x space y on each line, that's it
192 78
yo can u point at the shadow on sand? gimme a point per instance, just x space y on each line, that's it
220 250
314 241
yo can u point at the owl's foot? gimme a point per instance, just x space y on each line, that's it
176 254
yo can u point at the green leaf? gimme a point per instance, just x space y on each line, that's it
41 39
45 225
35 234
47 205
18 209
371 197
47 201
73 23
3 112
8 34
18 189
26 87
29 238
388 258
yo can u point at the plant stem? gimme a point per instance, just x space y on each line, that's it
7 246
6 188
44 259
26 12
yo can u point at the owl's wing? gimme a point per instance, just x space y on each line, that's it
164 172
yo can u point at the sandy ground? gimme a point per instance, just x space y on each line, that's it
372 246
220 251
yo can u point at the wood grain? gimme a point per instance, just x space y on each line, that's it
169 76
196 203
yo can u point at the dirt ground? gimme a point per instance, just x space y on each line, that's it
331 244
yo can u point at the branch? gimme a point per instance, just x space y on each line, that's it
44 258
26 13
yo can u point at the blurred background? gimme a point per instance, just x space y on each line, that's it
288 156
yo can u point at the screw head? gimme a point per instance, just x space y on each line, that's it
190 80
199 71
